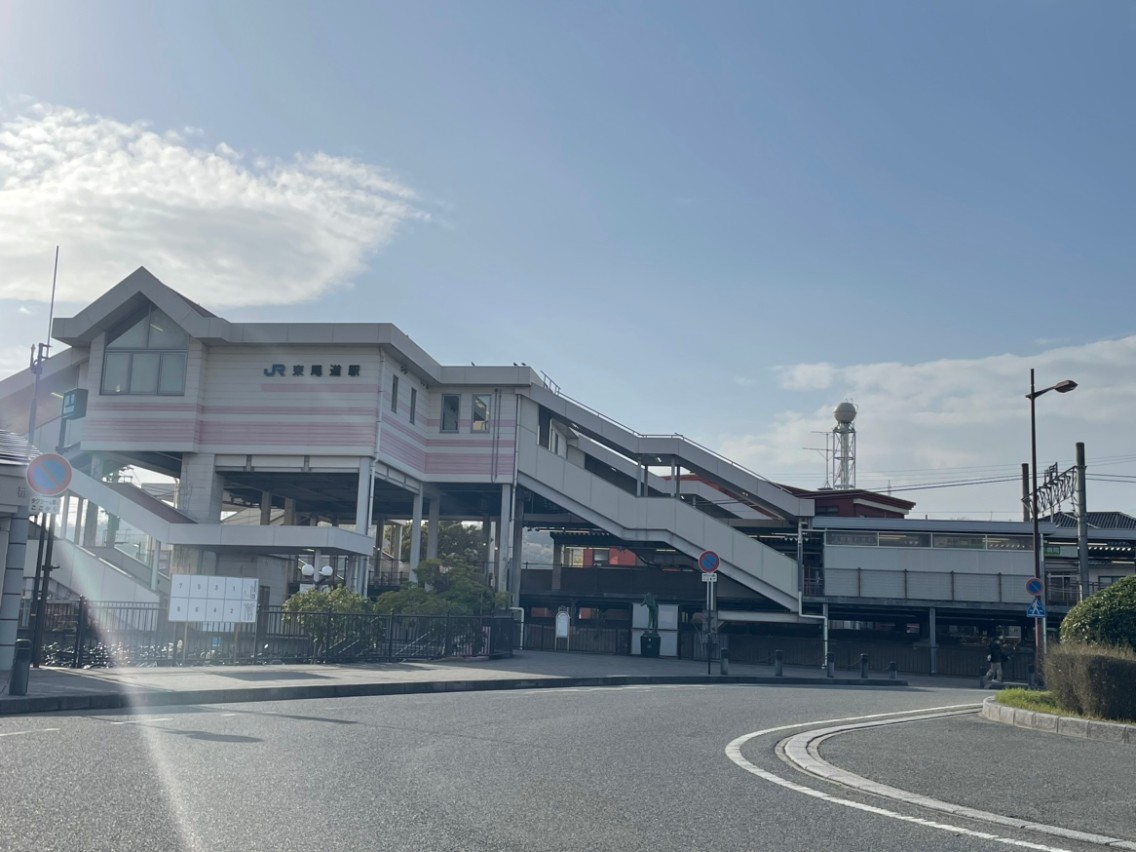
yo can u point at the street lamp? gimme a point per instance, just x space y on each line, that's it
326 574
1039 623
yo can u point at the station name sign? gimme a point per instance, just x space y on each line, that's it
334 371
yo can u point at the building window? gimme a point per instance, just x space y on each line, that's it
451 408
146 358
480 421
394 395
413 402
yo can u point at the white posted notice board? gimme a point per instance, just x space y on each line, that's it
196 597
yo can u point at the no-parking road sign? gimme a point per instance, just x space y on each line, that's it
709 561
49 474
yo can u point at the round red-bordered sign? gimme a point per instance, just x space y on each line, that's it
709 561
49 474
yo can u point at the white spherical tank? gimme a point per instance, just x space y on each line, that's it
844 413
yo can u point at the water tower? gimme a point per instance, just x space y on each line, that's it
844 447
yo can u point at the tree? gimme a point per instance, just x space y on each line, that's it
326 617
441 589
1106 618
457 543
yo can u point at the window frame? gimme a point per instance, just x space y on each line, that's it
126 355
413 403
483 425
456 427
394 394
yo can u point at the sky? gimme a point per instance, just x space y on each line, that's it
719 220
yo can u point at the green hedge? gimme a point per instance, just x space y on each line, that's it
1093 681
1107 618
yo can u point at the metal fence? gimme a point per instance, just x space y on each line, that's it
597 640
86 635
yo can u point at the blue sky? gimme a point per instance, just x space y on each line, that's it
716 219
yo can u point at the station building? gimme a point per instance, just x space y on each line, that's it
331 444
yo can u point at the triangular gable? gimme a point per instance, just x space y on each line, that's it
128 297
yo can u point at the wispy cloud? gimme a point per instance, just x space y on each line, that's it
959 419
229 228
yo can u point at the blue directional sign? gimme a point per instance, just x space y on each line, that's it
1036 609
709 561
49 474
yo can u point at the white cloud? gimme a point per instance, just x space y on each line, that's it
961 419
228 229
806 376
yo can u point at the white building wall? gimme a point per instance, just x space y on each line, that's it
247 407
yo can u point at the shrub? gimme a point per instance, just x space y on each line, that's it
1107 618
1062 673
1093 681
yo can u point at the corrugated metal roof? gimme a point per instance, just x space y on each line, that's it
1096 520
13 448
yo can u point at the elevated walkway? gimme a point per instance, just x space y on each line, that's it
663 449
169 526
88 575
665 520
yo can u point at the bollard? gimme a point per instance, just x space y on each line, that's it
18 683
778 663
724 660
830 664
863 665
893 670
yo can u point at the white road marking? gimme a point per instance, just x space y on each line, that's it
144 721
734 753
802 751
33 731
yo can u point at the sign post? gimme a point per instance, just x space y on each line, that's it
708 561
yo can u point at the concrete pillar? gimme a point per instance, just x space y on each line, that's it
265 508
487 545
80 507
155 563
515 556
934 641
416 537
200 495
504 531
396 541
14 545
289 511
435 519
363 523
674 477
64 517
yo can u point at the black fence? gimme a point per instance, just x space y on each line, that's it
88 635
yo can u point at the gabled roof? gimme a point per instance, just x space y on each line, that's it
127 297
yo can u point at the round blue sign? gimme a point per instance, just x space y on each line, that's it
709 561
49 474
1034 586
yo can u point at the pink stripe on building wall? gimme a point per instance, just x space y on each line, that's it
329 388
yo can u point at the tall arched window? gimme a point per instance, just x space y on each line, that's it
147 357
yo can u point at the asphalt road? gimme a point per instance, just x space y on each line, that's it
630 768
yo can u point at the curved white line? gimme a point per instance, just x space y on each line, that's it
802 751
733 752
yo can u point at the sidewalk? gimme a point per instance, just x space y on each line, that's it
52 689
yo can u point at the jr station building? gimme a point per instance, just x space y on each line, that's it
290 444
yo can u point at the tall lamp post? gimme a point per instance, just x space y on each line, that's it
1061 387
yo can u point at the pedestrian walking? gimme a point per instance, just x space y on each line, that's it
994 657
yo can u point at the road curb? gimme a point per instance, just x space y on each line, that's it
1089 729
142 698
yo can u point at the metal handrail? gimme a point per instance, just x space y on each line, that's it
677 435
